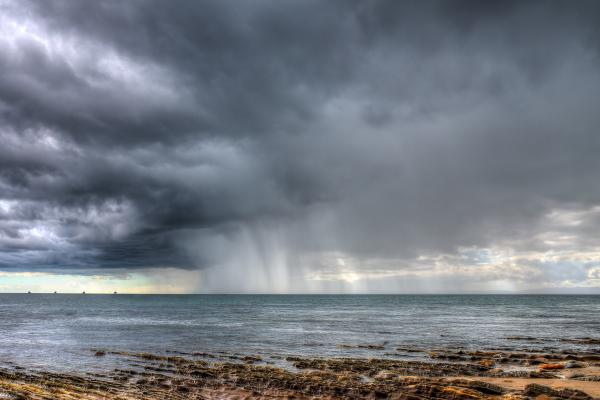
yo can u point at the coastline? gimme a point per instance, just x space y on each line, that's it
444 374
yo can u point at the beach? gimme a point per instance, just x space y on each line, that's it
446 374
70 346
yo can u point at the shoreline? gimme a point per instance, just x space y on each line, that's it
425 294
447 374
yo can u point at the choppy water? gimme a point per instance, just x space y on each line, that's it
57 331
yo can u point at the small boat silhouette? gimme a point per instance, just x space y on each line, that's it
83 292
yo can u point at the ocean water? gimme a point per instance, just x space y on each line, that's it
58 331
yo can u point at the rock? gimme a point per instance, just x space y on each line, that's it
525 338
540 374
513 396
537 361
589 378
385 374
329 378
410 350
100 353
480 386
549 367
586 340
487 363
450 355
251 359
434 391
575 364
455 392
535 390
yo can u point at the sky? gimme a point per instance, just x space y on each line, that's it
300 146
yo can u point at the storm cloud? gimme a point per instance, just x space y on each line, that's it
336 141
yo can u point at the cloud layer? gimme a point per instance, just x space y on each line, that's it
270 142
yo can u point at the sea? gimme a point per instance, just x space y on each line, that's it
62 332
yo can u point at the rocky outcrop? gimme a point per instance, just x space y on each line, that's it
153 377
535 390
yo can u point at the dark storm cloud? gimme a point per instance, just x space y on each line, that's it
135 132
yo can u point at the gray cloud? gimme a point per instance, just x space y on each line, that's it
141 134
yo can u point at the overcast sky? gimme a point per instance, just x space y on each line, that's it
300 146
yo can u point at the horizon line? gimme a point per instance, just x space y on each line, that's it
508 293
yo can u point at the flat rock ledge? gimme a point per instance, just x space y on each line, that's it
156 377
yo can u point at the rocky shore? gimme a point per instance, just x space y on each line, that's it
438 374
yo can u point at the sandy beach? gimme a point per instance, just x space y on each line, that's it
443 374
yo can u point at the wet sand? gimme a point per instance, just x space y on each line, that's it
590 388
442 374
